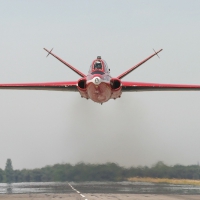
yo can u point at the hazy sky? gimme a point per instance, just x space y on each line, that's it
39 128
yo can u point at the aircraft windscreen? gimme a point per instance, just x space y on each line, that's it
106 67
97 65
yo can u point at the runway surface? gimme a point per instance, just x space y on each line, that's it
73 196
98 190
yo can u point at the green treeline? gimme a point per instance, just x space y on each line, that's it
96 172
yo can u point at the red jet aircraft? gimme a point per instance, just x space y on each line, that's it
98 85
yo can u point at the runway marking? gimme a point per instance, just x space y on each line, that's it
76 191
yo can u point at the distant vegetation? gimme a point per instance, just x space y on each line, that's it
96 172
165 180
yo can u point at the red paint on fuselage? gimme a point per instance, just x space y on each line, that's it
99 93
102 90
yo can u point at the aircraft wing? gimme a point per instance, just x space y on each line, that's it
140 86
53 86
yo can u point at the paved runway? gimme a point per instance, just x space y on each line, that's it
74 196
98 191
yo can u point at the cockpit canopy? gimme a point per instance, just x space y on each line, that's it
99 66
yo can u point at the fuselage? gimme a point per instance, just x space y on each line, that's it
99 86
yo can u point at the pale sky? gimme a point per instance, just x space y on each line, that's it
39 128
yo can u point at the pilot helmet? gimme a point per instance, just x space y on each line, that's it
97 65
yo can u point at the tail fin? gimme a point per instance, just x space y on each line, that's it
65 63
136 66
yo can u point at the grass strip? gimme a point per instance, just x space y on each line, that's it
165 180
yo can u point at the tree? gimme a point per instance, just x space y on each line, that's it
9 171
1 175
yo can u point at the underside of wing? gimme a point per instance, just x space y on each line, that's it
140 86
53 86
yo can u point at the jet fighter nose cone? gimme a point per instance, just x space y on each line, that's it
96 80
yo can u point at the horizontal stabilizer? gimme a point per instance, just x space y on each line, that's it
136 66
65 63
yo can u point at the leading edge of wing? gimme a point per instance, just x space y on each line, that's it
53 86
141 86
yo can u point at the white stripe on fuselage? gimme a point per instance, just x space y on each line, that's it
97 80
